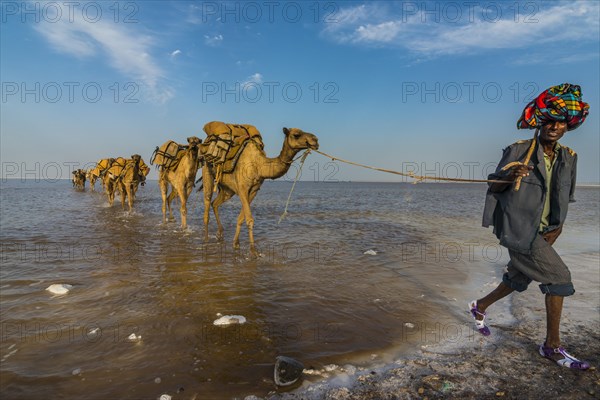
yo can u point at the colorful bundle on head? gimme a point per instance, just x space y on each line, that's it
558 103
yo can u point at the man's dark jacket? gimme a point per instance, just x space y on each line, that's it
516 215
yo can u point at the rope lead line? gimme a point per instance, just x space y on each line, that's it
418 178
287 203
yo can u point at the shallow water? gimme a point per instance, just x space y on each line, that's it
312 295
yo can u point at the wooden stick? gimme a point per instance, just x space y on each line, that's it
526 160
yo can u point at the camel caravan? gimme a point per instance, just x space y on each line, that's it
118 175
233 162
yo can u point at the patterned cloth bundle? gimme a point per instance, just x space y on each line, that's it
558 103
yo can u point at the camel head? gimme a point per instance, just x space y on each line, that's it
297 139
193 141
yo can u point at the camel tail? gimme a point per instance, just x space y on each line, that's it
201 184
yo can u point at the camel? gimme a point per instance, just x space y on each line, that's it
129 178
91 178
111 176
98 171
79 179
181 178
252 168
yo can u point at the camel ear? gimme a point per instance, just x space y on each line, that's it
286 131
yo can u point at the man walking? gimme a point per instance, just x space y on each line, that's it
528 220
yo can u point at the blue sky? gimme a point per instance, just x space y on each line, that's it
434 87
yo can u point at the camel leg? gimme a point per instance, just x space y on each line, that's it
131 194
240 221
208 182
222 197
110 192
169 201
238 229
123 195
183 208
163 186
246 199
184 195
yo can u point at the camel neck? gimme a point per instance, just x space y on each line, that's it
277 167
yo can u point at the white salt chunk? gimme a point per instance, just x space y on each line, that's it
230 319
370 253
134 338
59 288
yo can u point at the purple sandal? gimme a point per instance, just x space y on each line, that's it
480 324
568 361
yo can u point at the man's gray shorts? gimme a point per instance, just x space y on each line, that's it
542 265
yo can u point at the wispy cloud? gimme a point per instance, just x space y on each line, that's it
175 53
127 51
252 81
424 33
214 41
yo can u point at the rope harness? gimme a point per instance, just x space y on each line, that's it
287 203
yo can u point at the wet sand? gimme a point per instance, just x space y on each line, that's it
504 365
